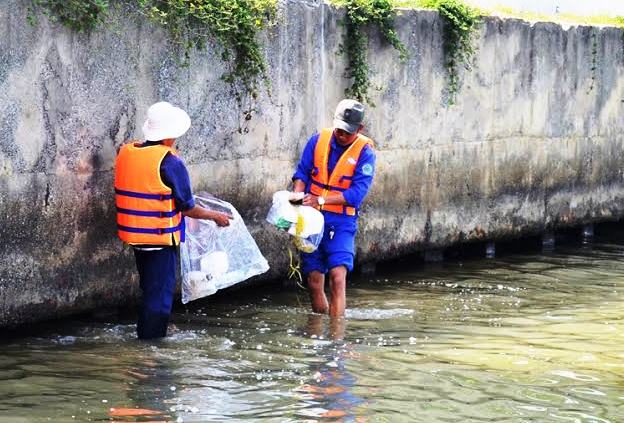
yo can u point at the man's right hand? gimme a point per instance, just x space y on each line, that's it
221 219
198 212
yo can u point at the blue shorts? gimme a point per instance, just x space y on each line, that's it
338 250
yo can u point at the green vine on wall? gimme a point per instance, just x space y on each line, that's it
360 15
460 26
234 24
79 15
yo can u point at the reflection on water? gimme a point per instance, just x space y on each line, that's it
527 338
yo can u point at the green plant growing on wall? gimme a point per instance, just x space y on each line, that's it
234 24
360 16
79 15
460 25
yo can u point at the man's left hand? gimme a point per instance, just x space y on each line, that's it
310 200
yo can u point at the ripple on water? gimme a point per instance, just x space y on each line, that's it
376 313
575 376
93 335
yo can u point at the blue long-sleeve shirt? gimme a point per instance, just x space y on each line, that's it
174 174
362 177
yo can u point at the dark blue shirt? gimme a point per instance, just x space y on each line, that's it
174 174
362 177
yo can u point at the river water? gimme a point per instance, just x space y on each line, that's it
527 337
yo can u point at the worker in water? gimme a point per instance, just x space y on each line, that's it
152 194
335 172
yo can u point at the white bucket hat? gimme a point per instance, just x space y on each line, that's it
165 121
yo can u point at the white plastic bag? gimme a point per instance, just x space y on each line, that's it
304 223
282 213
214 258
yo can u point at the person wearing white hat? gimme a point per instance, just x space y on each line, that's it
152 194
335 172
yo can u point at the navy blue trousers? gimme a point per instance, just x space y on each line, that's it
157 275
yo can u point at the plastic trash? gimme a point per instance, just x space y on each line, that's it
282 213
198 284
214 258
215 264
304 223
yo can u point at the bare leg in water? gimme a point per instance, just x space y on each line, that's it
337 286
316 284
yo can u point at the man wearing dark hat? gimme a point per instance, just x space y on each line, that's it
335 172
152 194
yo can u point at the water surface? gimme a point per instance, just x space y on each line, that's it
523 338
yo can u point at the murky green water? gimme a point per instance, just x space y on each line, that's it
523 338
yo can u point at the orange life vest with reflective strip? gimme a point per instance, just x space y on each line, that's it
342 175
145 207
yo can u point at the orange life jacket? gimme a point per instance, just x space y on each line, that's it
342 175
145 206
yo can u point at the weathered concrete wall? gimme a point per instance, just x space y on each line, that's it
534 141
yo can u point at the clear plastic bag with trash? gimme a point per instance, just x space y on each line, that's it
304 223
213 257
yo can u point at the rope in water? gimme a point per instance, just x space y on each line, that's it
294 268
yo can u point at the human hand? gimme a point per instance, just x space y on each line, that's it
310 200
296 197
221 219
